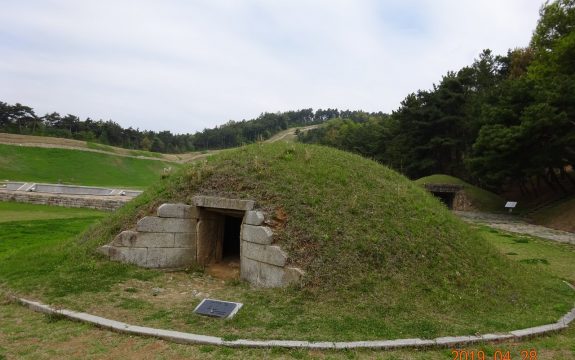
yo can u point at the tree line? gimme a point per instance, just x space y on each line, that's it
503 120
21 119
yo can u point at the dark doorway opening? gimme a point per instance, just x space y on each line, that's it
446 198
218 242
231 242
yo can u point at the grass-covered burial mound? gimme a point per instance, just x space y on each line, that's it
383 258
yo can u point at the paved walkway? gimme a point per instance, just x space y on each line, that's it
516 225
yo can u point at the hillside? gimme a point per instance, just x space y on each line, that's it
481 199
61 143
560 216
55 165
368 239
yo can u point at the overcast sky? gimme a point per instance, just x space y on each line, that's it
184 65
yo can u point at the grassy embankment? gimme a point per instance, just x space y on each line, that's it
54 142
481 199
383 258
66 166
561 216
29 335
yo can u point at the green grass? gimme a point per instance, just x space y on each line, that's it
542 255
77 167
145 153
29 335
383 258
11 211
111 149
481 199
101 147
43 256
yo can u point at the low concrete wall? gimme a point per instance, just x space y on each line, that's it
108 203
66 189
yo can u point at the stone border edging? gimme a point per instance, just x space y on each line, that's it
187 338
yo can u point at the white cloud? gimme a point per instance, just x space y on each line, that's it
186 65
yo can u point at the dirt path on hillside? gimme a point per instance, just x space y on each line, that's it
516 225
70 144
60 143
289 134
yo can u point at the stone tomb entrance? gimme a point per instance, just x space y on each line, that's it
451 195
225 236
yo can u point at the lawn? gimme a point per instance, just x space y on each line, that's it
28 335
20 163
12 211
544 255
37 252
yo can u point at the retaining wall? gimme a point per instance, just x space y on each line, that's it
108 203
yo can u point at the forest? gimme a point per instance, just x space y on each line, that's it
503 120
21 119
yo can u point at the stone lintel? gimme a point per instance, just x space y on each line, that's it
222 203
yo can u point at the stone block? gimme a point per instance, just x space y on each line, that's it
136 256
257 234
223 203
249 270
271 276
180 211
262 274
104 250
268 254
254 218
185 240
154 240
158 224
568 318
457 340
292 275
170 257
496 337
135 239
537 330
399 343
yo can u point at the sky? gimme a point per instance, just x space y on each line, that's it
186 65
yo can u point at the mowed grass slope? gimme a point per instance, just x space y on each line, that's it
19 163
383 258
482 199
